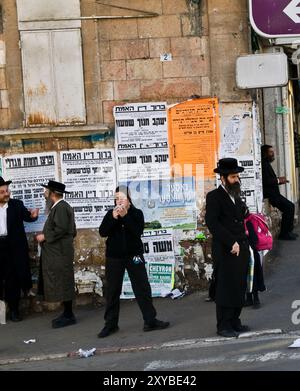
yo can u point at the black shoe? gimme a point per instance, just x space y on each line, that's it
241 328
293 235
15 316
287 236
106 331
156 325
63 322
58 318
228 333
249 300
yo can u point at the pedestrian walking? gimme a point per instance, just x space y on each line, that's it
230 249
15 275
123 227
56 281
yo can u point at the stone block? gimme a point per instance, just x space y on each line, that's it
107 90
186 46
4 102
168 89
144 69
113 70
160 27
108 111
126 90
186 67
2 54
131 49
159 46
174 7
4 118
2 79
206 86
118 29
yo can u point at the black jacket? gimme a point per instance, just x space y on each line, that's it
18 246
269 179
225 221
123 234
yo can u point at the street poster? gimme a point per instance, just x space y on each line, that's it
160 263
194 136
238 140
90 177
27 173
141 141
168 203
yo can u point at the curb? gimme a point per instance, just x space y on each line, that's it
128 349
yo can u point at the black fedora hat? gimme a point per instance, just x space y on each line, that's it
228 165
3 182
57 187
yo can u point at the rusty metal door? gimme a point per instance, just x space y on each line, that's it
53 77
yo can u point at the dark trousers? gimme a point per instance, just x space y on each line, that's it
114 273
288 210
228 317
10 289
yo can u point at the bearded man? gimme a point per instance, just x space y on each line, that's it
230 249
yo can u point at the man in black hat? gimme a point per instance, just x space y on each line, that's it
57 255
15 275
230 249
271 191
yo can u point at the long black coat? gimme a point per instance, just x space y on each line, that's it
18 246
269 180
225 221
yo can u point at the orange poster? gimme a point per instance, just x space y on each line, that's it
193 128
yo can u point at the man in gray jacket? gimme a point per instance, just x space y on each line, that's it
57 255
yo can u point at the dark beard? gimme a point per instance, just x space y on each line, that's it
48 206
233 189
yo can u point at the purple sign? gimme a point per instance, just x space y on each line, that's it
275 18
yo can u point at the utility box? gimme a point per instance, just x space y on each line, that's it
262 70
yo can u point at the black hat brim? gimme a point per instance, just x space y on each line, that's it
229 171
6 183
56 190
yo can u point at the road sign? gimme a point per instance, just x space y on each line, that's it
275 18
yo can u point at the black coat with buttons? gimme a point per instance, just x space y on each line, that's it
225 221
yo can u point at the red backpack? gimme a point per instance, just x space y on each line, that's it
264 236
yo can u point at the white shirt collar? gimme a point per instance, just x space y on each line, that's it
61 199
5 206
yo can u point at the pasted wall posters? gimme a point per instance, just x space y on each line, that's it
166 203
238 141
160 263
141 141
194 135
90 177
27 173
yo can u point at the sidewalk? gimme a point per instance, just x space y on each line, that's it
191 317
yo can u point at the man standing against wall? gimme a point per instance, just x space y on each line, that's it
57 255
271 191
14 259
230 249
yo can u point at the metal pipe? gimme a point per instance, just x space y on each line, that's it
90 18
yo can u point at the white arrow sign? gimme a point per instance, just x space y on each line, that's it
293 10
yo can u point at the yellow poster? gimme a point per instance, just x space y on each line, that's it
193 128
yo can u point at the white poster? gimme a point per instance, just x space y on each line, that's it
27 173
90 177
141 141
160 263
